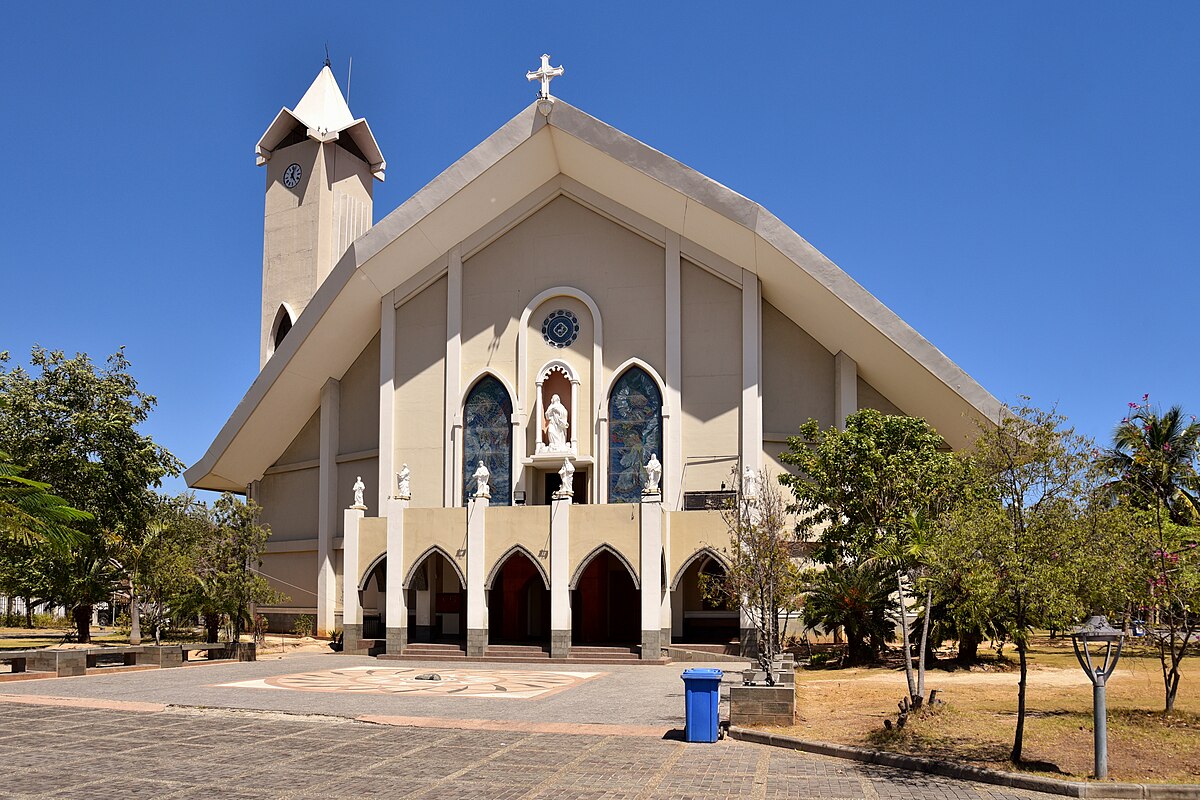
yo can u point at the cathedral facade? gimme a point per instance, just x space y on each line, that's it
504 415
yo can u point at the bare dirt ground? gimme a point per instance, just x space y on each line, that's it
978 720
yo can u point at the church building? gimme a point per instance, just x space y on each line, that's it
498 421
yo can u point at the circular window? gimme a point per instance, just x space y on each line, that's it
561 328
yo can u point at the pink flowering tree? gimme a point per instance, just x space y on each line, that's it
1152 466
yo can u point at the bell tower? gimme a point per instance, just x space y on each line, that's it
321 166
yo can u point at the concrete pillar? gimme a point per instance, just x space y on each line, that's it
673 423
396 608
327 507
351 603
453 377
665 619
651 577
477 616
387 399
751 408
845 388
560 577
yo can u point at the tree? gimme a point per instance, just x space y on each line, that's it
1152 464
1020 541
762 579
75 426
160 565
29 513
858 490
1153 460
225 580
855 599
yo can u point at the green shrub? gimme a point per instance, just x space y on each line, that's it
303 626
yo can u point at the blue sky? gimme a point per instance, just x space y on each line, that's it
1018 181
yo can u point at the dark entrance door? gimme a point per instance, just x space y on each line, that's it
518 604
605 606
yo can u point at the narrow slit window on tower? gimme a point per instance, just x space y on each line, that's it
283 324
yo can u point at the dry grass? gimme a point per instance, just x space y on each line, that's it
979 718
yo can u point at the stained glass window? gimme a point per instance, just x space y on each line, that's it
487 437
634 432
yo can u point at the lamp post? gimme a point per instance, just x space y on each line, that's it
1096 629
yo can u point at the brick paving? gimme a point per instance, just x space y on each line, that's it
66 753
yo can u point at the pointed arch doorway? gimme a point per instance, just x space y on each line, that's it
605 602
518 601
437 600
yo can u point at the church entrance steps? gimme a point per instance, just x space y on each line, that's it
435 649
722 648
532 651
608 654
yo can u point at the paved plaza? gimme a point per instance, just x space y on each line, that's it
82 738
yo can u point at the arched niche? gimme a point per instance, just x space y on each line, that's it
557 378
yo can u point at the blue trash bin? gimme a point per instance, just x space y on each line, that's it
702 699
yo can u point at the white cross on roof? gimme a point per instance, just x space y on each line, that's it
545 74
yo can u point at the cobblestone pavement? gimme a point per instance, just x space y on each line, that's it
67 753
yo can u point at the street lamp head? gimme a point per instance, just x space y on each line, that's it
1096 629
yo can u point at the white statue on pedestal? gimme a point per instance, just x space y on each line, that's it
653 475
359 488
749 483
566 476
556 426
481 482
403 491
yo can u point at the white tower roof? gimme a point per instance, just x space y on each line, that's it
324 113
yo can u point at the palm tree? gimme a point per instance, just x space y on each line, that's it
30 514
855 599
1153 460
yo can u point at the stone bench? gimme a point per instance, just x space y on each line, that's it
128 655
63 663
16 658
163 656
215 650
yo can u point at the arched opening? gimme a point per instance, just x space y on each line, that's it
283 325
605 603
488 437
634 433
518 602
437 600
698 616
373 597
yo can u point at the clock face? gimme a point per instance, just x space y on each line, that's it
292 176
560 329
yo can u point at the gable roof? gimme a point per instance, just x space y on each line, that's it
496 175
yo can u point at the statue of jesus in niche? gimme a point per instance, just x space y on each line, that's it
556 425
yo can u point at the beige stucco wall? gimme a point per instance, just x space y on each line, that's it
289 503
528 526
372 543
870 397
420 392
293 573
426 527
797 380
711 348
617 525
692 531
564 244
307 444
358 421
